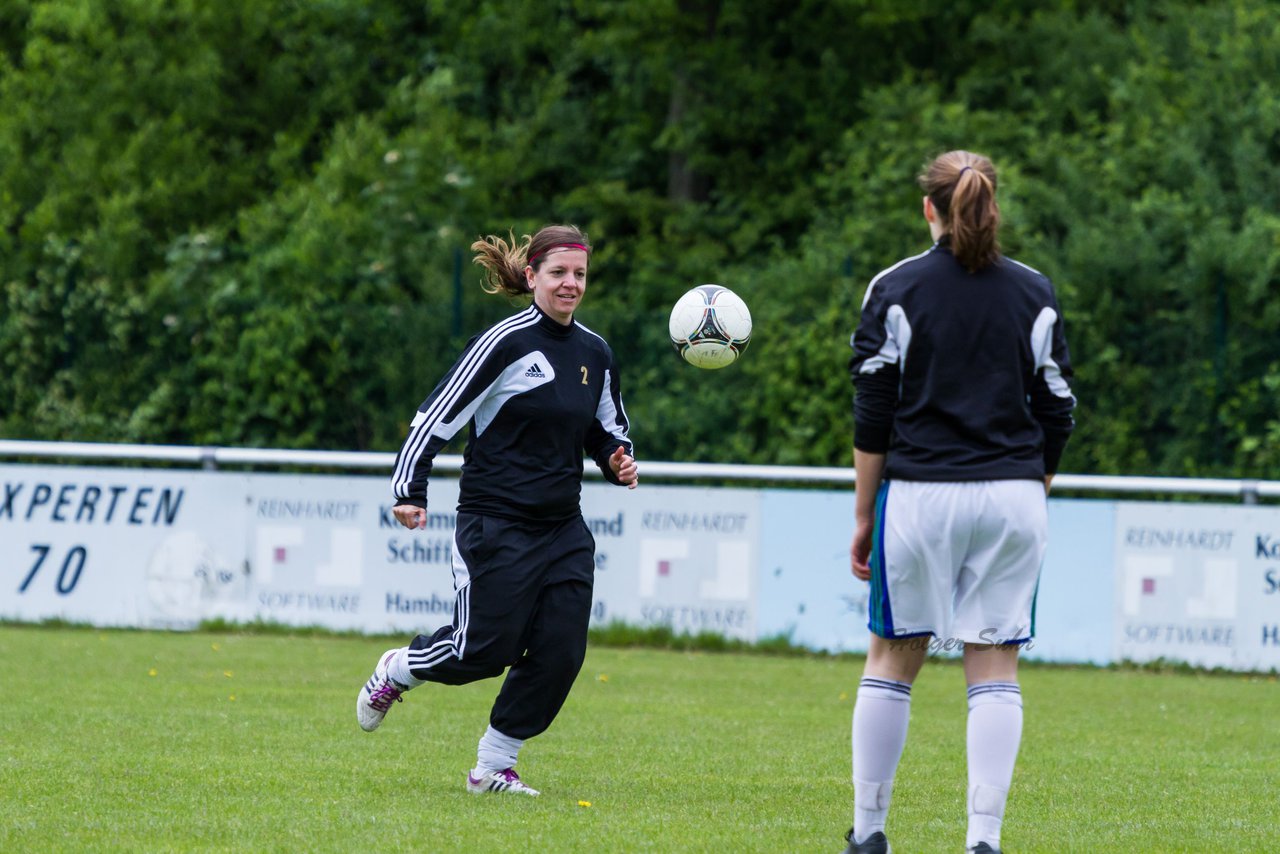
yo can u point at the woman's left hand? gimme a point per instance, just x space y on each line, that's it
860 550
624 468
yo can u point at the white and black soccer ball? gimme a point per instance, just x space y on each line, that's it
710 326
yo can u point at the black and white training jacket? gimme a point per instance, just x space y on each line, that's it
536 394
961 376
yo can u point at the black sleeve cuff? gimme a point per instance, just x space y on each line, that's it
871 438
1053 448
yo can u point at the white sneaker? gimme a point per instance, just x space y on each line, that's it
506 780
378 694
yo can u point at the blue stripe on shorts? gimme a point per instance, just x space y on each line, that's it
879 613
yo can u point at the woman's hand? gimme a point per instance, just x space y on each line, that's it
624 468
410 515
860 551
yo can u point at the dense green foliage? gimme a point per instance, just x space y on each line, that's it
247 222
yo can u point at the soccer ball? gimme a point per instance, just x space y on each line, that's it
710 326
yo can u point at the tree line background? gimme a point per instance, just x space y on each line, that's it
246 222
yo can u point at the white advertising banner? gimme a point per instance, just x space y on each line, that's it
675 556
1198 584
168 548
119 547
326 551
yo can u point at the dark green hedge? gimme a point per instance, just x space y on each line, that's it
246 222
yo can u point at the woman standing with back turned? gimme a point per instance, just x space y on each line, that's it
961 414
538 390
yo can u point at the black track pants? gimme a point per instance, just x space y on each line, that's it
523 600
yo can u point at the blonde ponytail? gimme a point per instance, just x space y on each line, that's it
503 262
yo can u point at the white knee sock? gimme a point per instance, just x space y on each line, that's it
497 752
880 718
994 733
398 669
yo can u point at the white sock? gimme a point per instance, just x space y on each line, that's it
880 718
497 752
398 669
994 733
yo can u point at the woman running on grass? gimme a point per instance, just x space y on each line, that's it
538 390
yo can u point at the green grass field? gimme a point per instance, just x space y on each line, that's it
136 741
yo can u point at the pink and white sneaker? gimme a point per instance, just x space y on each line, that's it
378 694
506 780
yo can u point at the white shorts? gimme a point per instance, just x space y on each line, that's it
959 561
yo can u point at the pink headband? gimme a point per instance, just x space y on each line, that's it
554 247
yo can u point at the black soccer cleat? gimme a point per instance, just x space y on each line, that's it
876 843
983 848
